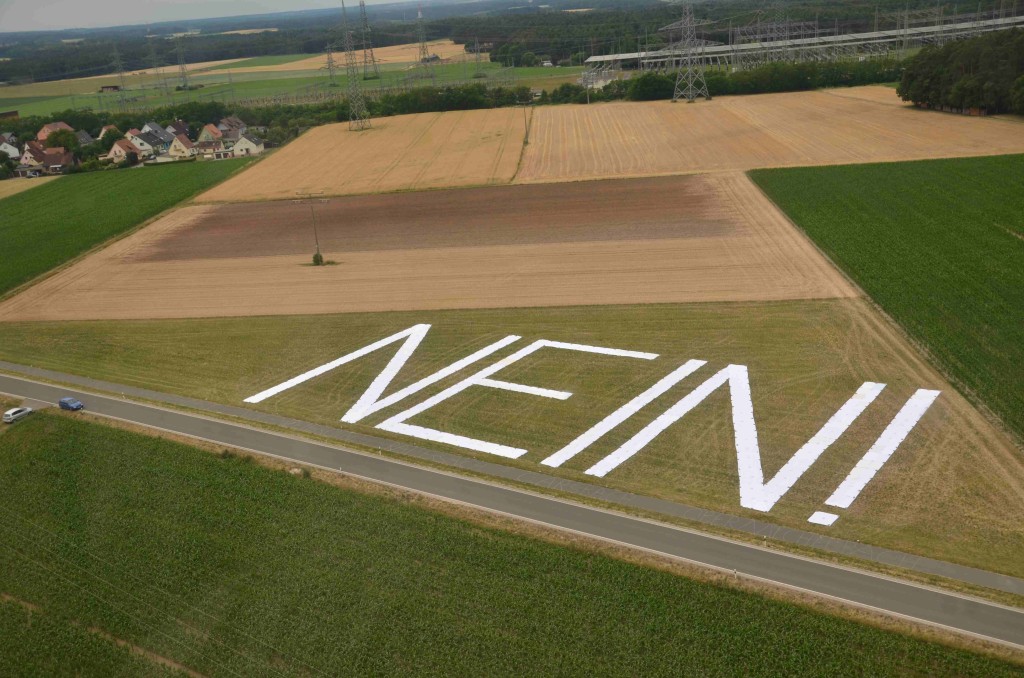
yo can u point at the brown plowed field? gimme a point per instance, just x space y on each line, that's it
830 127
406 152
672 239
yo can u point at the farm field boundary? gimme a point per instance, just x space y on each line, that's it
937 245
46 227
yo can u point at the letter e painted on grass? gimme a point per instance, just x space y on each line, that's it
397 423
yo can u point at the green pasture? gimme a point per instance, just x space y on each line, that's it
939 244
226 567
49 225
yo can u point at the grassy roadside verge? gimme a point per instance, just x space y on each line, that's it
45 227
222 565
939 245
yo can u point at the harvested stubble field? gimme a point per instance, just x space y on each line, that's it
407 152
953 490
827 127
14 186
270 574
394 54
668 239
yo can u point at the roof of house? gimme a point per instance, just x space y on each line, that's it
134 131
8 137
59 159
51 127
231 122
84 138
159 132
126 146
148 138
212 129
216 145
185 141
178 126
35 150
108 128
251 138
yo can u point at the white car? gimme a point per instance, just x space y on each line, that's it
11 416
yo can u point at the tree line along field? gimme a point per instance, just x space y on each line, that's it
938 244
43 228
951 491
108 540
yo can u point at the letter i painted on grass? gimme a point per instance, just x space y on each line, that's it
755 492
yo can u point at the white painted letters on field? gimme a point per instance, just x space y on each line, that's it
755 493
397 423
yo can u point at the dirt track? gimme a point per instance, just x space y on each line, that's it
831 127
697 238
407 152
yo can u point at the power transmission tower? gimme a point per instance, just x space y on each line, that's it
119 67
690 82
182 69
331 67
479 72
157 66
371 71
358 115
421 36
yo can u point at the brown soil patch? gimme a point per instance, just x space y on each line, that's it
407 152
674 239
569 143
15 186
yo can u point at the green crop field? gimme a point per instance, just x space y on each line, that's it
49 225
939 244
226 567
943 494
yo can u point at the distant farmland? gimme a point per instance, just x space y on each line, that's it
106 539
938 245
45 227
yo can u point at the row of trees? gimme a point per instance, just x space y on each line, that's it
985 73
779 77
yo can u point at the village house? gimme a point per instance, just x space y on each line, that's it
51 127
177 127
9 147
247 144
108 128
84 138
33 154
165 137
212 150
120 150
231 128
146 142
210 133
182 147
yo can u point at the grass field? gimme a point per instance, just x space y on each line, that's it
45 227
225 567
952 491
939 246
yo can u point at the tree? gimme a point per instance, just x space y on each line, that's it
62 137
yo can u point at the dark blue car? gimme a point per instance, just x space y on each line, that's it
70 404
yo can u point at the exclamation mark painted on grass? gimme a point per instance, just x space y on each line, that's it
877 456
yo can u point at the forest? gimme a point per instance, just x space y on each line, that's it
985 73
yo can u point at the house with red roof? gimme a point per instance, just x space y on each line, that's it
51 127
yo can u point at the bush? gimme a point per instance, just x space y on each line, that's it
651 86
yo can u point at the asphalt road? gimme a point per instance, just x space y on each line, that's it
933 606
